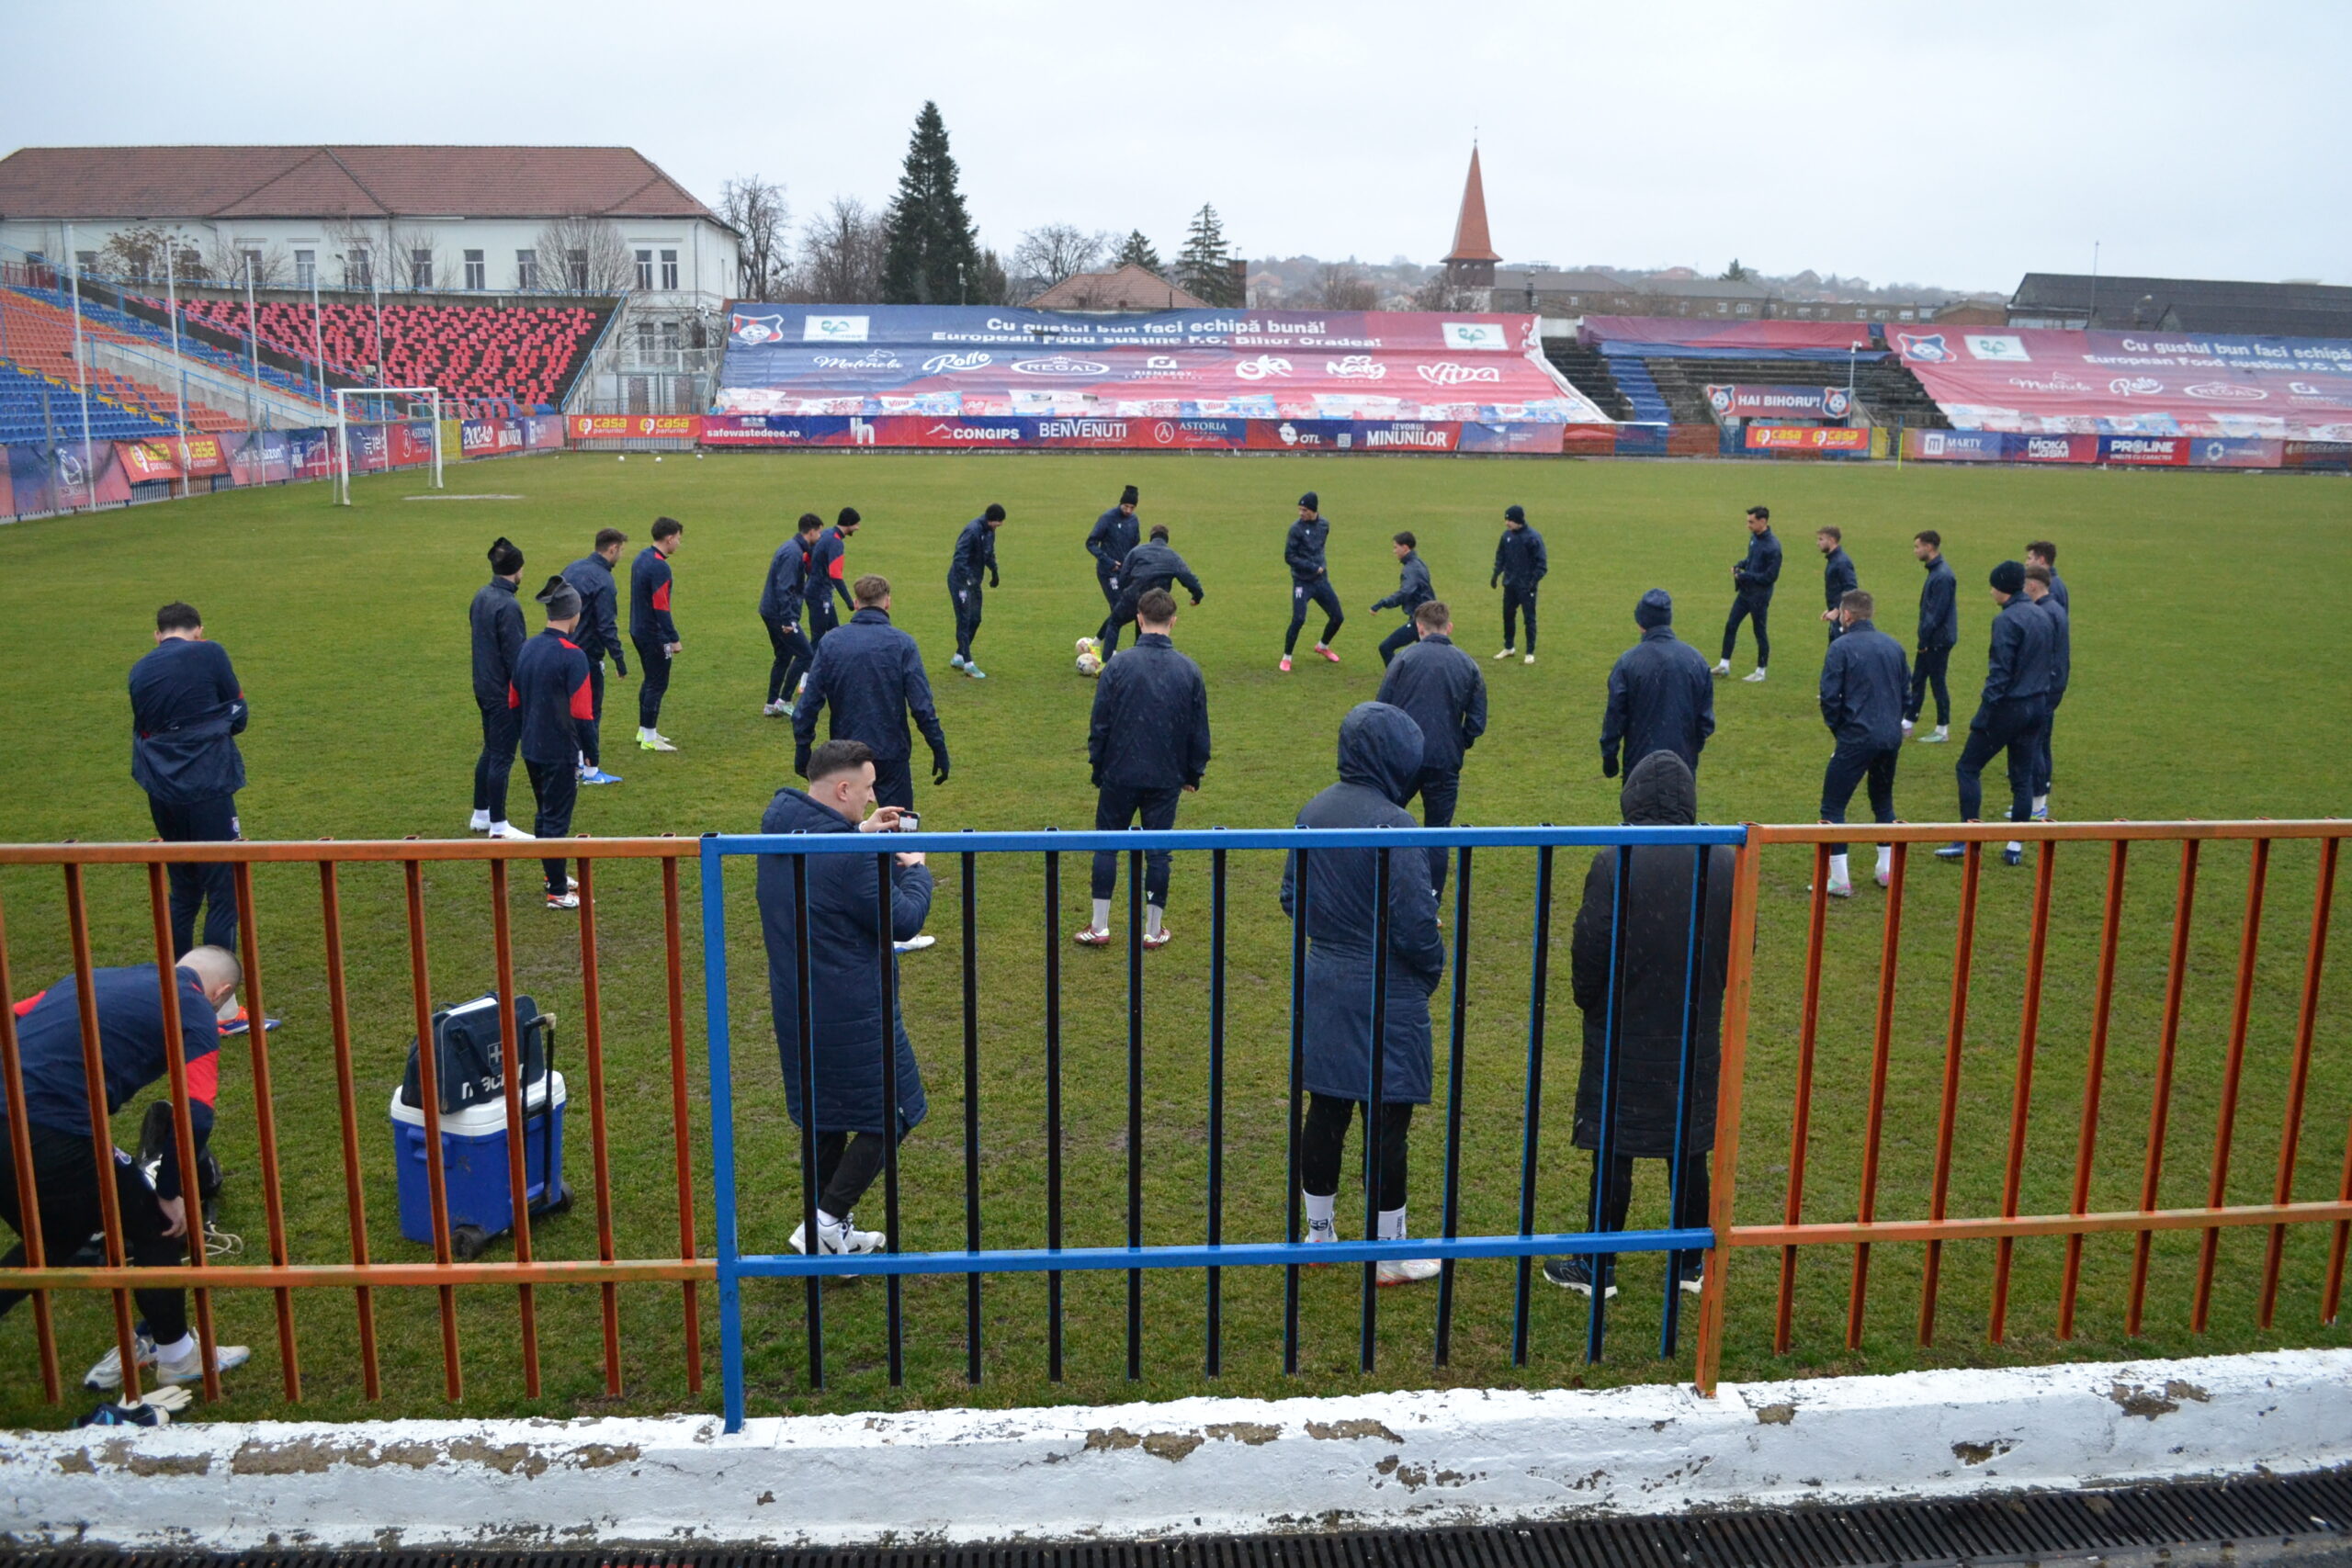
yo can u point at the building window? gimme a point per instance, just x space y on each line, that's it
645 269
1722 307
526 270
306 269
670 337
420 269
645 337
251 260
670 270
477 270
575 271
359 269
1909 316
86 261
1747 309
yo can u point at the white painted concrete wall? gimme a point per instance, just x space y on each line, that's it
1195 1465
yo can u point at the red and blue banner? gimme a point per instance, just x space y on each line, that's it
1680 338
1826 439
1740 400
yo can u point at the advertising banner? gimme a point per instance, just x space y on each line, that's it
148 461
2144 451
2048 381
488 437
205 455
1680 338
1350 435
263 456
309 454
2332 455
983 362
1742 401
542 433
1994 447
635 426
1541 439
2235 451
1822 439
411 444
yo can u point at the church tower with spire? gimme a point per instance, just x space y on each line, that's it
1471 263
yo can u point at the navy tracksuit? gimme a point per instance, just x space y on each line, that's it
1754 579
827 566
1111 541
1444 691
1152 564
1146 743
871 674
652 630
1661 698
185 710
1939 633
2015 707
1310 582
1862 686
551 698
975 554
780 598
598 634
1838 579
1520 564
496 618
1413 591
2061 654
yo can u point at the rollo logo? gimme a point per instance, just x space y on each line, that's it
941 364
2135 386
2227 392
1445 373
1258 369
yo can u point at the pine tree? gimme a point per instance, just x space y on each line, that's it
1206 267
1137 250
933 256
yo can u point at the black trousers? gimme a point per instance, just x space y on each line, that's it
213 886
966 600
2042 773
1849 765
653 683
894 783
1319 591
1115 808
1613 1201
502 727
2012 727
1395 642
65 1195
793 655
1324 1137
1744 608
1517 602
1439 789
823 616
1928 668
555 786
847 1166
1122 616
591 745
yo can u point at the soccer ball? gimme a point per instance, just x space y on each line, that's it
1090 656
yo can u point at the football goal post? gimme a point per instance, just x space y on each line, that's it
387 418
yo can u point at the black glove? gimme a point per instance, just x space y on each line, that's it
1490 583
620 668
993 582
800 758
1196 600
938 765
1608 764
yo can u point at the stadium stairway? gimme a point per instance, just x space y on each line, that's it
1588 372
527 354
1642 394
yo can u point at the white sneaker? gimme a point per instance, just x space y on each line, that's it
1942 733
479 823
1529 660
190 1367
508 831
956 662
1906 726
1884 876
839 1238
654 741
1838 889
1505 653
107 1373
770 710
1407 1272
914 943
566 900
1754 675
1723 666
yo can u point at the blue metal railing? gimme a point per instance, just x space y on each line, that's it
1215 1253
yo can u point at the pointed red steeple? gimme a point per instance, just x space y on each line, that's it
1471 263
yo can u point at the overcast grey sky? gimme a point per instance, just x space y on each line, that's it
1959 144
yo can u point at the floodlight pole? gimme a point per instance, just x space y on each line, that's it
180 367
81 370
252 342
318 336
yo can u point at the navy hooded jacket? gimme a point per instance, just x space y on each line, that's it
599 631
827 568
1939 607
1520 558
1444 691
649 598
1155 564
1413 588
1837 577
1864 678
2020 664
787 584
975 555
1661 698
1150 729
846 950
1380 762
1112 540
185 706
1303 549
496 618
130 1051
871 674
1761 569
2061 646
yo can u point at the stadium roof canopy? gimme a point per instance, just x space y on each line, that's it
344 181
2183 304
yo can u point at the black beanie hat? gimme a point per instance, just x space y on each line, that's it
1312 501
848 518
995 514
1129 496
505 559
561 599
1657 609
1514 514
2009 578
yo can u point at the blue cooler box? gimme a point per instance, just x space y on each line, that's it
473 1164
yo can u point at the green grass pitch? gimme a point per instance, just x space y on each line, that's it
2202 688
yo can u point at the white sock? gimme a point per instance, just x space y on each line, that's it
1392 1224
1101 914
1151 914
1318 1210
2016 848
2041 803
1837 872
1886 859
501 825
827 1221
178 1350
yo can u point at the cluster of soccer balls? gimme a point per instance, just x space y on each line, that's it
1090 656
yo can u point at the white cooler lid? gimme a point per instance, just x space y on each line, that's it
483 1120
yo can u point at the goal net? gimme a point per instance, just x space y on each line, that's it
377 429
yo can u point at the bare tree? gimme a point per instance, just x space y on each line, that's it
224 263
585 255
1437 293
842 251
1047 254
415 261
1340 286
755 208
141 253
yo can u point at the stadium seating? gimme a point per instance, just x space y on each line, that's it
1588 372
527 354
1884 386
1642 394
37 409
157 337
37 341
